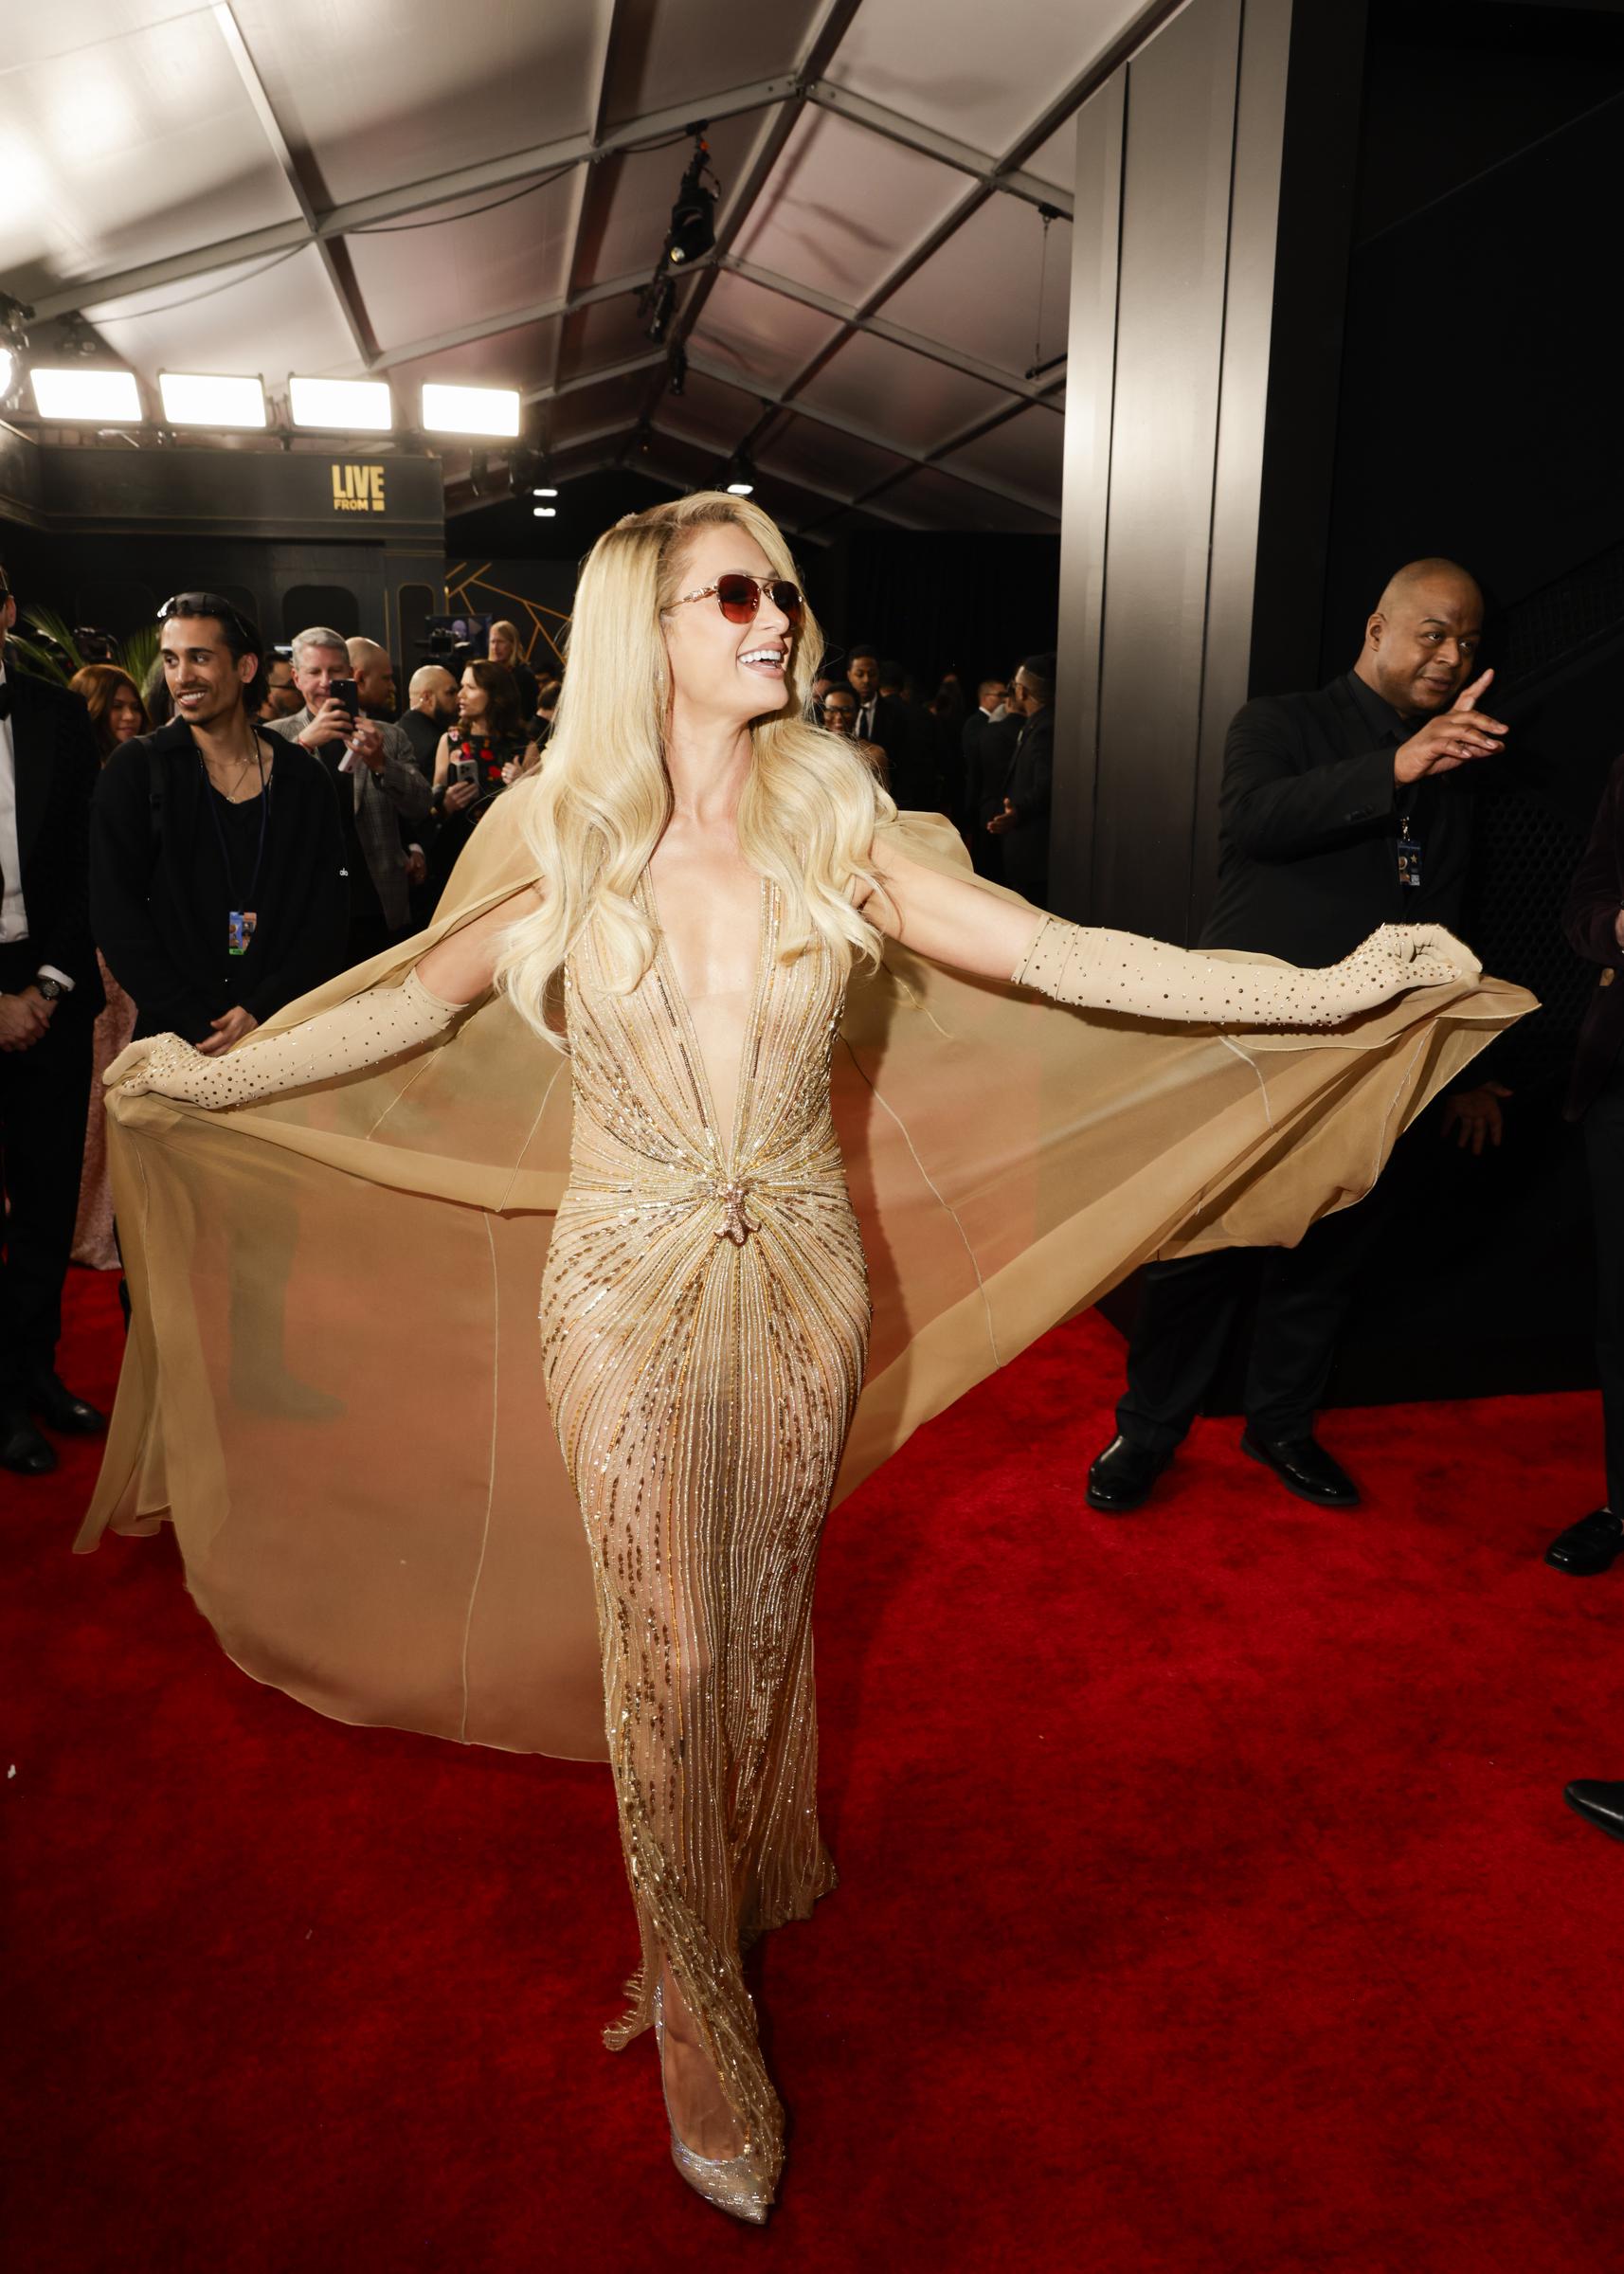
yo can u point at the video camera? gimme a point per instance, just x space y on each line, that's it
453 640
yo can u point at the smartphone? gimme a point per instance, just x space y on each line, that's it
347 693
466 770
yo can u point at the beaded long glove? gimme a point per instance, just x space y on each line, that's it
382 1023
1118 971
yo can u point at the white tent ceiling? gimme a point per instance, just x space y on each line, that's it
284 186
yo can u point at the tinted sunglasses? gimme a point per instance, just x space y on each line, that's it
739 598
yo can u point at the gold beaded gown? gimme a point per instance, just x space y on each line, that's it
705 1319
392 1556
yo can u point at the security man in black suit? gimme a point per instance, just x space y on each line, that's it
50 991
1339 812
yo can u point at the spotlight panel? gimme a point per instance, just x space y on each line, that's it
206 399
88 396
346 405
470 409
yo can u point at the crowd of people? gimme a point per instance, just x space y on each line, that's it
990 767
197 879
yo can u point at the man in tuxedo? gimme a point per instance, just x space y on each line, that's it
50 991
1340 811
1022 821
893 727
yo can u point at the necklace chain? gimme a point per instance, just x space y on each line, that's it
229 793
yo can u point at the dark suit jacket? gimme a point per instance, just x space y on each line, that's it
1308 822
56 776
1588 919
903 733
985 746
1027 786
158 943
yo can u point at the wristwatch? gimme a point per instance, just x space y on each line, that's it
52 989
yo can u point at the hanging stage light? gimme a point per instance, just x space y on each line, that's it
206 399
341 405
470 409
86 397
740 481
692 230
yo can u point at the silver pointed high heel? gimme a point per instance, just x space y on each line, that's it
731 2183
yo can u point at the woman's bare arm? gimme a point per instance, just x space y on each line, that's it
947 918
462 965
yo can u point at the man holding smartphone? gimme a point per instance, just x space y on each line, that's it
378 781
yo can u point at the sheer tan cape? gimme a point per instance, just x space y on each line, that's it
332 1387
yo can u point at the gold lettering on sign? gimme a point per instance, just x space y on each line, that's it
358 490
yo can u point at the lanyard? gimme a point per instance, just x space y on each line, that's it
220 832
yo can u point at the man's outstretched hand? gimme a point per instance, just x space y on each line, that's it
1453 738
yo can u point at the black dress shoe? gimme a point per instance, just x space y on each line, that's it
1304 1467
58 1409
22 1447
1588 1547
1121 1477
1599 1804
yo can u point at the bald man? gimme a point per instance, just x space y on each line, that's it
372 669
1339 811
432 707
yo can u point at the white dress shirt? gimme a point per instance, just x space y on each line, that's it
13 914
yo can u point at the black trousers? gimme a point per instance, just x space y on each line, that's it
1604 1157
44 1099
1187 1317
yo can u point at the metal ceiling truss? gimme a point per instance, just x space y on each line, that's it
893 127
879 327
585 180
1048 122
512 319
336 264
412 197
778 405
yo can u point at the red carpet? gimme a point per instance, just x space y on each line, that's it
1209 1904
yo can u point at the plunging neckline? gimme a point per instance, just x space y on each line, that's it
667 964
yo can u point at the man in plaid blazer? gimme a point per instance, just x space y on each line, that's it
379 782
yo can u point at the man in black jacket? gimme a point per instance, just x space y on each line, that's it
217 881
1340 811
1021 822
50 991
896 729
976 802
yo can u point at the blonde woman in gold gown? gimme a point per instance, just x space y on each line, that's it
710 869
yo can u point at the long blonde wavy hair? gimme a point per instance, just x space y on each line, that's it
596 810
